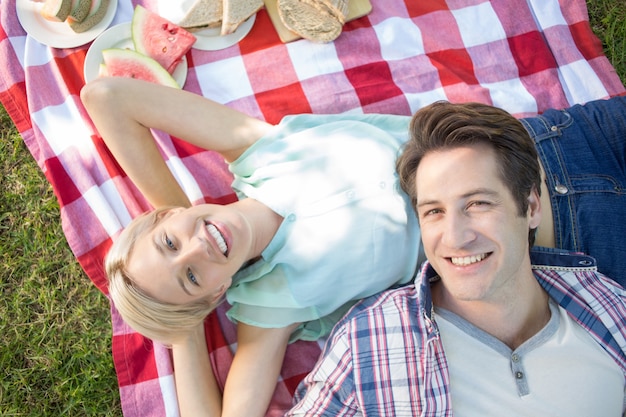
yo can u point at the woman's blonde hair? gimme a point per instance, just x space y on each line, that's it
152 318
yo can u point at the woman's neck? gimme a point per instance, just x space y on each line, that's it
263 221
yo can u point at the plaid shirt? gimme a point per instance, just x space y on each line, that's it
385 358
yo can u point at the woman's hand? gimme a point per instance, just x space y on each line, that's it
196 386
124 110
253 375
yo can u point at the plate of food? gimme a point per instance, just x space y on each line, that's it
210 39
67 32
215 29
119 36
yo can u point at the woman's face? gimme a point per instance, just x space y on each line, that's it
191 254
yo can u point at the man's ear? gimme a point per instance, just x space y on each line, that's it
534 208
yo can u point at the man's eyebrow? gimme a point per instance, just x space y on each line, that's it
481 191
471 193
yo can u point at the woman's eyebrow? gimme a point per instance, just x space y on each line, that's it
159 248
182 285
157 243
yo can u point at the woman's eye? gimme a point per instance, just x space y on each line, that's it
192 277
168 242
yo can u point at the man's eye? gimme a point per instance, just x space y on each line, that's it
479 203
192 277
430 212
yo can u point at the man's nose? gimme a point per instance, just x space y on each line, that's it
458 231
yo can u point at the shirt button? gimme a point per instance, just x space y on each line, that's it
382 184
561 189
519 375
515 357
291 217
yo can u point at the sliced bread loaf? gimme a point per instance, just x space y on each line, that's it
238 11
203 14
317 20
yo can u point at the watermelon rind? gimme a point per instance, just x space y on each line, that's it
160 39
128 63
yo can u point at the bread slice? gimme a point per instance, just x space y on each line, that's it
316 20
203 14
238 11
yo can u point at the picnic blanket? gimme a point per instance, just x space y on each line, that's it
523 56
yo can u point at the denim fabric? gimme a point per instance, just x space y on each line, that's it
583 151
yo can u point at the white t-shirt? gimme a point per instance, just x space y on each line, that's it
561 371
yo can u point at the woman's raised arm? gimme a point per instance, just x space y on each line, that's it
124 110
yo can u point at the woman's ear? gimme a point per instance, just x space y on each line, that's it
165 212
219 294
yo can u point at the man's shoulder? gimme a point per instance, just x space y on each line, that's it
566 272
551 258
390 304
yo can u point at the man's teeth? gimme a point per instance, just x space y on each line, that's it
221 243
467 260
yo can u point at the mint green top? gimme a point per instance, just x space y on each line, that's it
348 230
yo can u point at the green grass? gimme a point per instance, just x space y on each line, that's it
55 329
55 349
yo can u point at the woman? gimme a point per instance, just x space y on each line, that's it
320 223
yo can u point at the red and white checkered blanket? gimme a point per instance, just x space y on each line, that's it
523 56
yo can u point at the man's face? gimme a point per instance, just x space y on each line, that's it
472 232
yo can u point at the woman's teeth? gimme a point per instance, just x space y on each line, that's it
221 243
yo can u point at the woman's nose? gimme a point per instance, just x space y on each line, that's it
194 247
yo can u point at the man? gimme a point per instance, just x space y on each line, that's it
489 328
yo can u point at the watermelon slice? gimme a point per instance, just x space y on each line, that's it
128 63
159 38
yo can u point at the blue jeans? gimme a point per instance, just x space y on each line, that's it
583 151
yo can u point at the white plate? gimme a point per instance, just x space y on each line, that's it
210 39
119 36
58 34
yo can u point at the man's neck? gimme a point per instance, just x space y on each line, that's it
512 319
